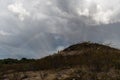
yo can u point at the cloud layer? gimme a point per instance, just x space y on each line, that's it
36 28
18 9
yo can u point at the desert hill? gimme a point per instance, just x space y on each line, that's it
82 61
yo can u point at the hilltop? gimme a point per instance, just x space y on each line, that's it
82 61
88 45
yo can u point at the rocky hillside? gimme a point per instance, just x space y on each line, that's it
82 61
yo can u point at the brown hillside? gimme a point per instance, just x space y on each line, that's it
82 61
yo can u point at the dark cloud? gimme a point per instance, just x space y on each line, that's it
38 28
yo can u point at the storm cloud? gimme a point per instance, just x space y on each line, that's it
36 28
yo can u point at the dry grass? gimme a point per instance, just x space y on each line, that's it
98 59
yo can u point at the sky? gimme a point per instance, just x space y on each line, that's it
37 28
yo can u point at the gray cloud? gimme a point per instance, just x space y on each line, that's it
36 28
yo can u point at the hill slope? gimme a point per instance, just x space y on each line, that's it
83 61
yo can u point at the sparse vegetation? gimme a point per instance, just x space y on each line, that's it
99 59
